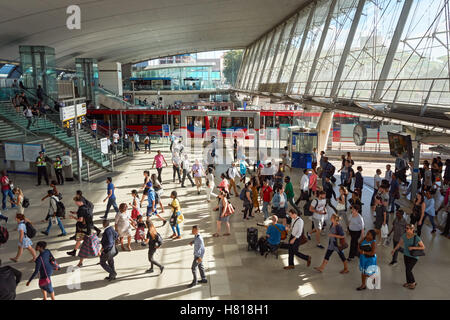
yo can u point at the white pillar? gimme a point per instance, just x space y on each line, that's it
323 129
110 76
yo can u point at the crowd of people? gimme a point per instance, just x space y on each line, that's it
267 192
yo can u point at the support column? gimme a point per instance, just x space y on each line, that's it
269 75
243 68
392 49
288 46
415 173
323 129
258 55
87 73
257 125
110 76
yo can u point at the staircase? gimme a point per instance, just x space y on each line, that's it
55 139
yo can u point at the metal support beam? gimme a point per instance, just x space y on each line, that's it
276 52
244 67
302 45
392 49
347 47
326 26
251 63
425 104
258 58
267 57
415 173
288 46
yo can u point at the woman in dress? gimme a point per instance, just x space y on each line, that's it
367 258
123 226
18 199
342 204
90 247
210 184
147 184
24 241
136 205
223 203
44 266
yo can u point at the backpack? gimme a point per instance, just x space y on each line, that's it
307 205
90 207
31 231
25 202
159 239
60 209
226 174
4 235
242 194
60 196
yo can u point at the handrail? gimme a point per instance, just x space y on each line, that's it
19 126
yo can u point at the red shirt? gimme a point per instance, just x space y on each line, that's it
5 183
266 193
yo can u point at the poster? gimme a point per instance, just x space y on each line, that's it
104 145
31 152
165 130
13 151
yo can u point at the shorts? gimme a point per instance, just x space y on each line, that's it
125 233
150 212
145 191
318 223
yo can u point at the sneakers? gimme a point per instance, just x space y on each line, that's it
44 232
62 235
149 270
203 281
288 267
393 263
192 284
164 223
320 246
71 253
161 269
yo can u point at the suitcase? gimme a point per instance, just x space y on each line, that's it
252 239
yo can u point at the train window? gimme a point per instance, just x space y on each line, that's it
151 119
282 120
176 122
269 121
132 119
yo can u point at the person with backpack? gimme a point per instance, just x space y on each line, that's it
109 250
328 170
55 211
6 190
25 230
9 279
176 213
44 266
53 184
296 228
90 212
318 208
225 211
335 234
154 241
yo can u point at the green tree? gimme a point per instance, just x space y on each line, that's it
232 63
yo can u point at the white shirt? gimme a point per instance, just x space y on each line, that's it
304 183
233 172
297 227
210 178
28 113
320 207
116 137
377 181
186 164
147 138
267 171
109 142
282 201
388 176
176 159
136 138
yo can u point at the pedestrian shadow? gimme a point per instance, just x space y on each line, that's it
173 292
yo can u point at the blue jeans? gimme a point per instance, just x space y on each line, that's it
265 209
60 225
111 202
392 203
7 193
343 177
431 218
177 228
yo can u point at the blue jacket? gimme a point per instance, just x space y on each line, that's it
276 200
109 238
44 257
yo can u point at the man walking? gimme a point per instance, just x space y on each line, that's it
41 164
186 166
111 197
294 240
108 250
199 251
136 141
6 190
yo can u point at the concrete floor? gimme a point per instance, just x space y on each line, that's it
232 271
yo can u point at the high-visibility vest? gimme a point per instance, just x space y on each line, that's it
58 164
40 162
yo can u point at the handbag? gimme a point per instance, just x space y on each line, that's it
340 207
46 281
416 253
303 239
229 210
365 247
341 243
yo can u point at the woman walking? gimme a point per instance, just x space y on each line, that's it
381 216
176 212
411 243
224 213
197 170
159 192
341 206
356 230
210 184
176 163
336 232
418 212
255 187
159 159
18 199
44 266
24 241
154 241
147 184
312 182
123 226
136 205
367 257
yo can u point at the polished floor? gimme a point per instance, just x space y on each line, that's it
232 271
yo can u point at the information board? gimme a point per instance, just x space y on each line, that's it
165 130
31 152
104 145
13 151
66 113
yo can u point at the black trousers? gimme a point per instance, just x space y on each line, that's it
247 209
447 225
159 174
195 264
176 170
394 257
151 252
409 265
107 261
293 251
354 252
42 172
303 196
186 174
59 176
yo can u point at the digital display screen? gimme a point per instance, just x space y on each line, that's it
399 144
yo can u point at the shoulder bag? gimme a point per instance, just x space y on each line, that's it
46 281
416 253
283 233
341 243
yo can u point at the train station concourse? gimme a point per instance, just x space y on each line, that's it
262 150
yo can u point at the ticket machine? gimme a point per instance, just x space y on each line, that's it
302 142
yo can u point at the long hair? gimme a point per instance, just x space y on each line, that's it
151 229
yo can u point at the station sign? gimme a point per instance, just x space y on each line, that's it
218 113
